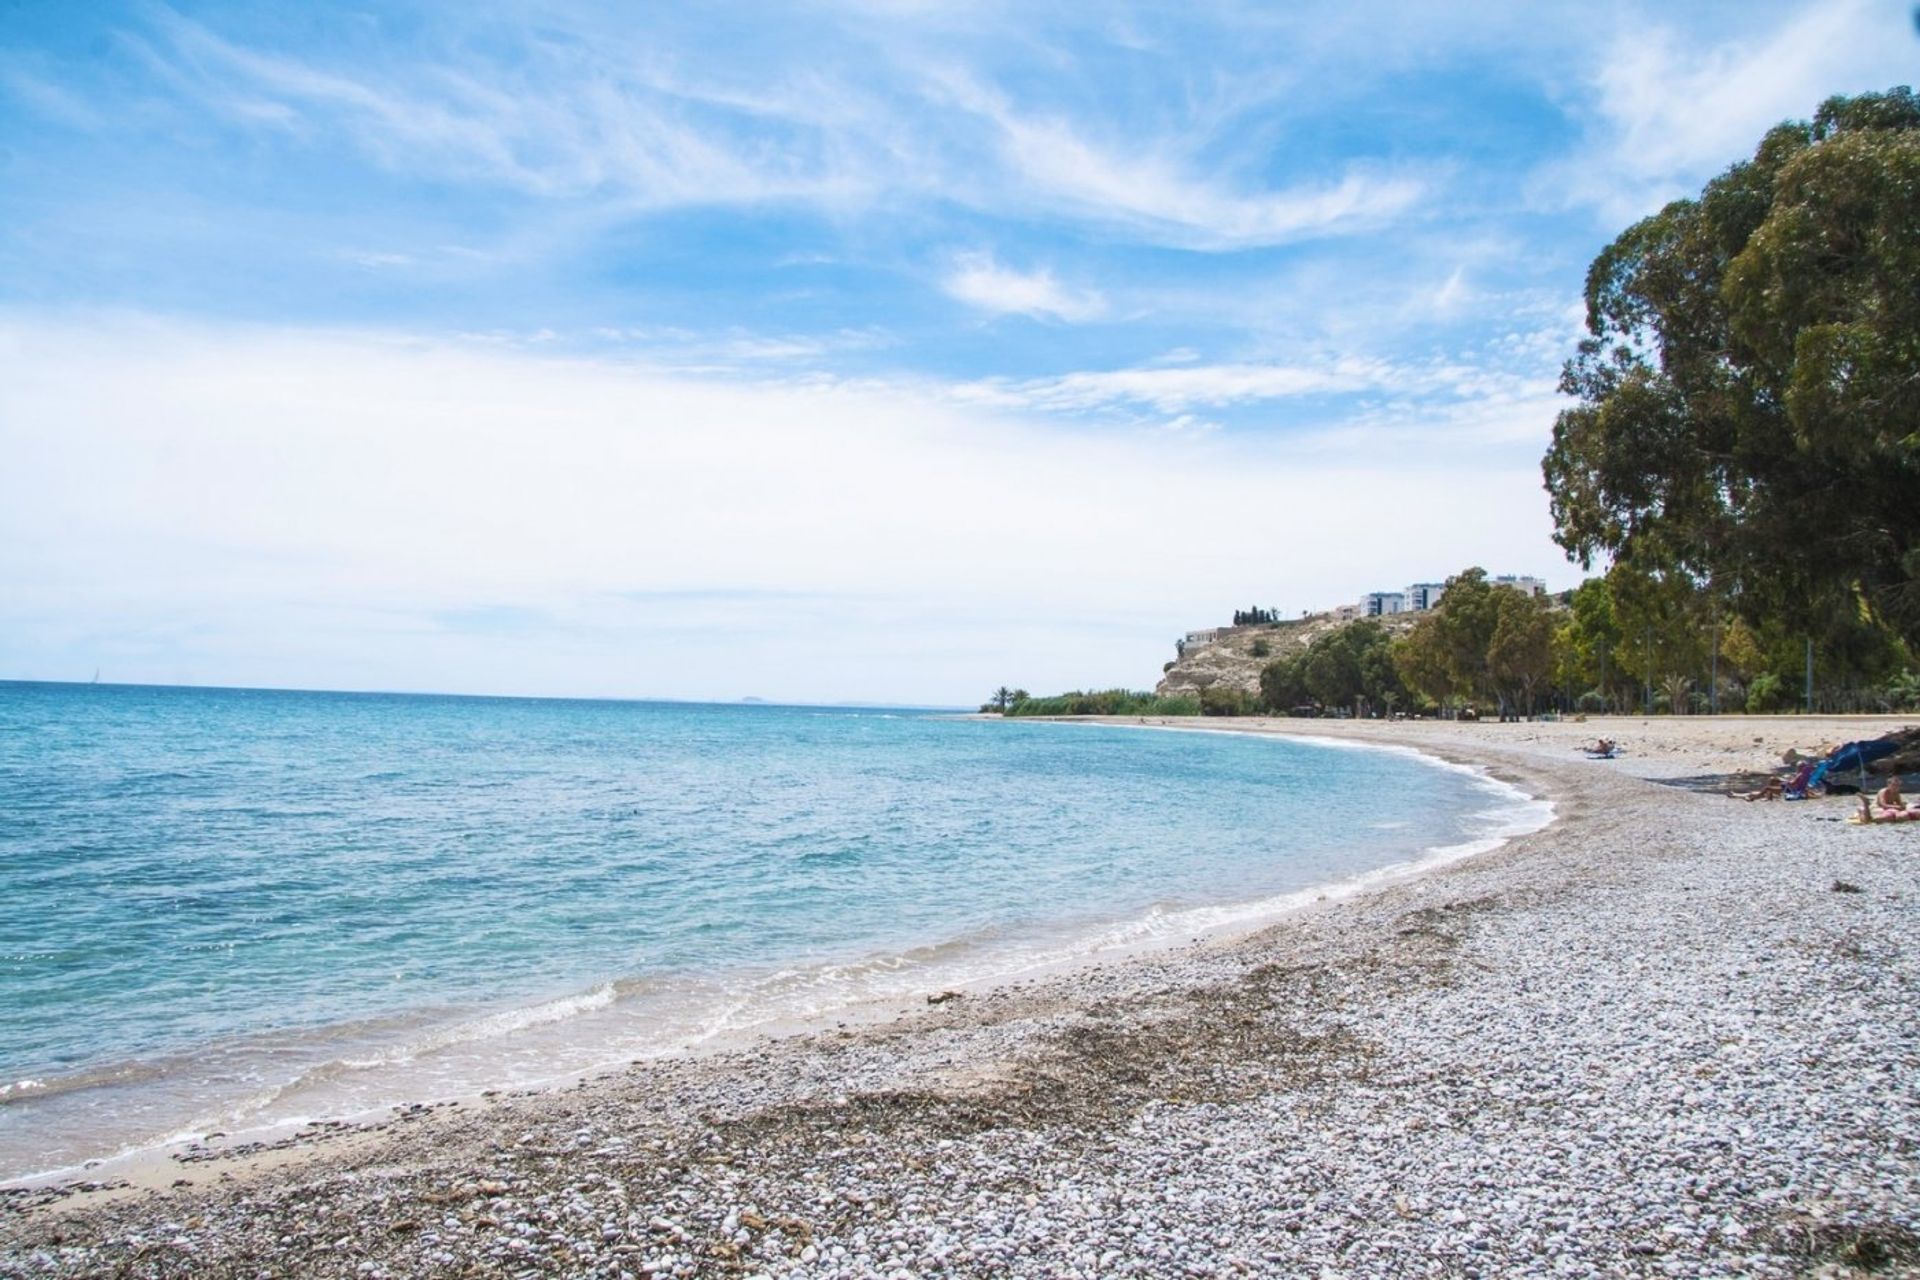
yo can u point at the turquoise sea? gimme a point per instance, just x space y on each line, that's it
235 909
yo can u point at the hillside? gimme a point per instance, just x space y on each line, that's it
1231 662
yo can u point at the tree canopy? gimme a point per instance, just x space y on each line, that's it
1749 393
1351 666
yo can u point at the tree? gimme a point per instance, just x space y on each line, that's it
1352 666
1585 646
1282 687
1749 394
1520 652
1664 622
1421 664
1002 698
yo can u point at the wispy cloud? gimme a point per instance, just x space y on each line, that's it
1151 189
566 124
42 96
979 281
1177 389
1668 110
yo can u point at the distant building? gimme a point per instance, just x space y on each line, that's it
1195 640
1422 596
1377 604
1346 612
1521 583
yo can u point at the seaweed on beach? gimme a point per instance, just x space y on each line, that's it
1863 1246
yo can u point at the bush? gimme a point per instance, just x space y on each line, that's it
1261 648
1105 702
1592 702
1767 693
1216 700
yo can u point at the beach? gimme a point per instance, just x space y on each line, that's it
1668 1034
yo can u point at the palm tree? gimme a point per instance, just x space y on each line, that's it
1677 688
1002 698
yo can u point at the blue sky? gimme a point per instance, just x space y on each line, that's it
882 350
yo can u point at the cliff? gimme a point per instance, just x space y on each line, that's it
1231 662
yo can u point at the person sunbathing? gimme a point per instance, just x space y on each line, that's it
1889 805
1777 788
1871 812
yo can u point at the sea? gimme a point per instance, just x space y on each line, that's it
242 910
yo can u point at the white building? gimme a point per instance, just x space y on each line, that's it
1422 596
1376 604
1521 583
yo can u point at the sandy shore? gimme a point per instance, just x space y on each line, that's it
1671 1034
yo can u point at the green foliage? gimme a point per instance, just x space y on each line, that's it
1665 623
1349 667
1449 653
1903 692
1104 702
1261 649
1750 390
1282 687
1520 651
1219 700
1585 644
1767 693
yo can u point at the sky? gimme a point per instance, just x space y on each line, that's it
883 350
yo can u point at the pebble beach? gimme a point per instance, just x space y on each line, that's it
1670 1034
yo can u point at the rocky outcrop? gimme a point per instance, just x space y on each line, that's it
1231 662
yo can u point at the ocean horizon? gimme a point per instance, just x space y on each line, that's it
244 909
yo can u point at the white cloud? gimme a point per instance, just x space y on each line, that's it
1176 389
1152 190
623 125
47 99
979 281
570 124
365 510
1668 112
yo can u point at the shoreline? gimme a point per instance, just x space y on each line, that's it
1513 812
1395 1059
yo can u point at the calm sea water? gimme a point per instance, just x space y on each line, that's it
236 908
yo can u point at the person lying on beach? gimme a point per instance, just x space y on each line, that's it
1872 811
1602 748
1889 805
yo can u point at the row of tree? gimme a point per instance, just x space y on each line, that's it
1624 642
1255 617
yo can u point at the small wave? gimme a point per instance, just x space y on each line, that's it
492 1026
119 1073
